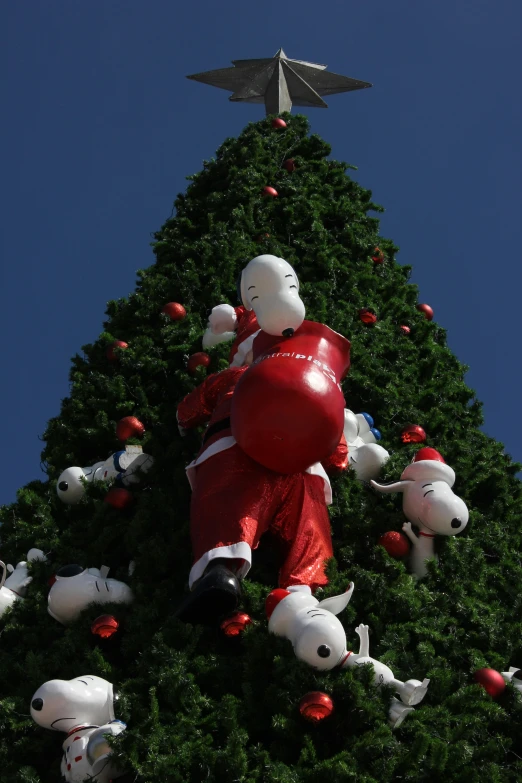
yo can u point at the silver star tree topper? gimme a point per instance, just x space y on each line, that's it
279 82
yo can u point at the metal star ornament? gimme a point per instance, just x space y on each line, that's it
278 82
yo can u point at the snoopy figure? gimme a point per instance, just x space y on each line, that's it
319 639
84 709
429 503
124 466
269 288
366 456
13 588
74 588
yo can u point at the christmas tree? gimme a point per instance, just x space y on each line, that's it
202 706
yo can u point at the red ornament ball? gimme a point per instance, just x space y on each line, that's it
119 497
413 433
111 356
200 359
316 706
268 191
395 543
289 165
235 624
175 311
105 626
278 123
428 453
405 329
129 427
491 680
427 310
262 237
367 316
378 256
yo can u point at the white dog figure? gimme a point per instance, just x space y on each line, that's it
410 692
366 456
269 286
221 327
319 639
14 587
74 588
514 676
122 466
429 503
84 709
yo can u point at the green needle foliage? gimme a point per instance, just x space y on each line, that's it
203 707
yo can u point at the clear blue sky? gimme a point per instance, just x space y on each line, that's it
100 128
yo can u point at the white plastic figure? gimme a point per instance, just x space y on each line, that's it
84 709
514 676
319 639
75 588
430 504
410 692
123 466
365 455
14 587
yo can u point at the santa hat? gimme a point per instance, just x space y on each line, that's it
428 464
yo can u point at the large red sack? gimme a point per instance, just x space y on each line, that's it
288 407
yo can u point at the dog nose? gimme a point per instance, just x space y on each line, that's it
37 704
288 332
456 522
323 651
63 486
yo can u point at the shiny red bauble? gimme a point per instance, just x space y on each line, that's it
105 626
378 256
175 311
428 453
111 356
129 427
269 191
119 497
395 543
316 706
413 433
289 165
405 329
200 359
367 316
278 123
235 624
427 310
491 680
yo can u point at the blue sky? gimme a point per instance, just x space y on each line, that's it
100 128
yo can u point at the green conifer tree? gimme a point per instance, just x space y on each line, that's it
201 707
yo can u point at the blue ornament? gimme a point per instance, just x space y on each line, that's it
376 434
368 419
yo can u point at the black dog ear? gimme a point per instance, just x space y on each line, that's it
517 675
70 570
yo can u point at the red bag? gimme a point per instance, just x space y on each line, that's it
288 407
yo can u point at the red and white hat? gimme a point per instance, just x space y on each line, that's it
428 464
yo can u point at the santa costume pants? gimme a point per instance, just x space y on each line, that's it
235 500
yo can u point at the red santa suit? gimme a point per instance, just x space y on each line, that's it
235 499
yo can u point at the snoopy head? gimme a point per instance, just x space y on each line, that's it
321 642
270 287
76 587
64 705
70 485
428 499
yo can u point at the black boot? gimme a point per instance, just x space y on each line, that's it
217 593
